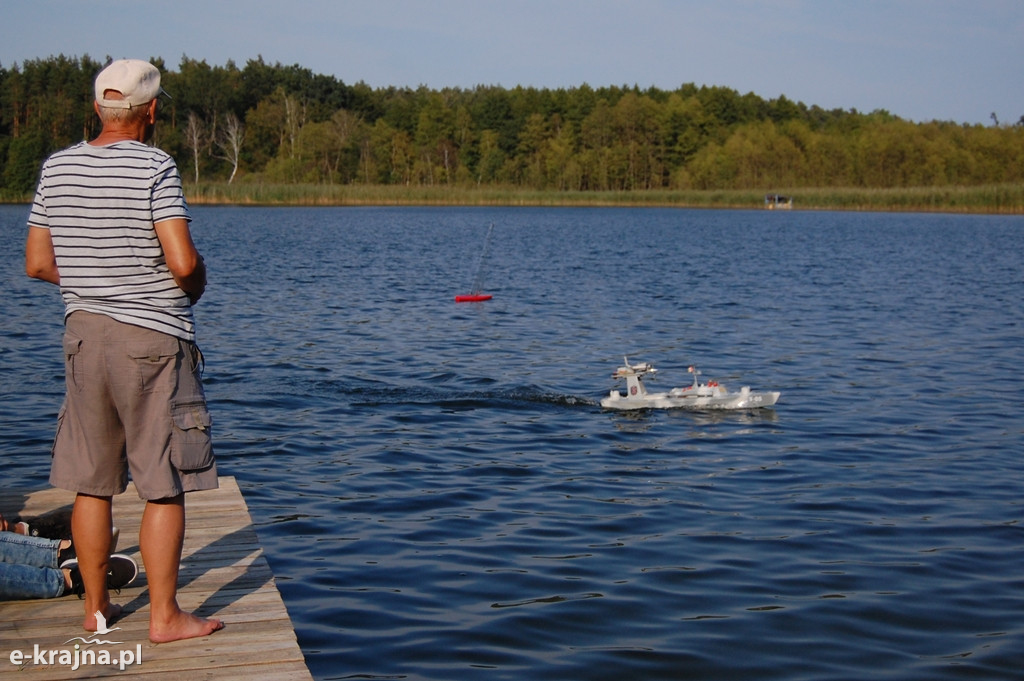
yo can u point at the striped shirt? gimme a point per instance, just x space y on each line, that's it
100 204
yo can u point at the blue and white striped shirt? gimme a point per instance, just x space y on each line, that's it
100 204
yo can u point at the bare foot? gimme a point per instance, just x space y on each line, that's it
111 612
183 625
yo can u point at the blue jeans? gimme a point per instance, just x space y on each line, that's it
28 567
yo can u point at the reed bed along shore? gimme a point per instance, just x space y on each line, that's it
1006 199
997 199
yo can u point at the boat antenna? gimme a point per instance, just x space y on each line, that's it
478 278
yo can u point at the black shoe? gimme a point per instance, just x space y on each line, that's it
121 571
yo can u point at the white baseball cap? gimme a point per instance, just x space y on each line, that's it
138 81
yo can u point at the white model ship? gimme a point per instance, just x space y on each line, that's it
709 395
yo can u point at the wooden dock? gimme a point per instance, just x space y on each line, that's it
223 574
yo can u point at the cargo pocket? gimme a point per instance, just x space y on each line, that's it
155 360
72 346
191 443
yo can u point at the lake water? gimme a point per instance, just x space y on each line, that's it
441 496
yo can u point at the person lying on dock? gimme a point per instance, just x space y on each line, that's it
35 567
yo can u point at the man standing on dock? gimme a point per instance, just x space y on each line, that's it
110 226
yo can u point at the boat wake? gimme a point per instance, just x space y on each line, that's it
516 397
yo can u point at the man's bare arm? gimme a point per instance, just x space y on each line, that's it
186 265
40 261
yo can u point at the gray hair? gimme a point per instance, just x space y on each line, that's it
119 115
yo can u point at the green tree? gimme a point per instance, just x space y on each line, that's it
437 155
492 158
21 171
637 135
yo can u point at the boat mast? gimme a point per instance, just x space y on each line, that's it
478 278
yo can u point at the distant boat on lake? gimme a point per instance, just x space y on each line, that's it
778 202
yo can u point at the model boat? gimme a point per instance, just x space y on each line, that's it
709 395
475 296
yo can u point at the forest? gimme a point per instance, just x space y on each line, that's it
281 124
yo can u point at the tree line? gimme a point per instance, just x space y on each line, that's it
286 124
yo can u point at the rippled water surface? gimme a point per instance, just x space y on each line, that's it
441 496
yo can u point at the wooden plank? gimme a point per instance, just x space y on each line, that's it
223 574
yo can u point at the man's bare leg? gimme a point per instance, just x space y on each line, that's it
161 539
90 530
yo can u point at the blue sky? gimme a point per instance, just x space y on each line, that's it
957 60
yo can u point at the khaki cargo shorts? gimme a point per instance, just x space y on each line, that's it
134 403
